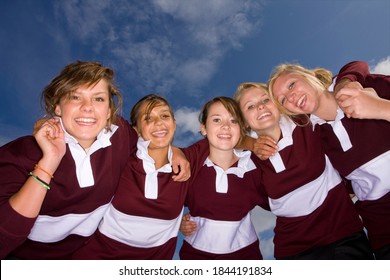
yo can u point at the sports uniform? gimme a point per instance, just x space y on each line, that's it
315 215
220 202
145 215
81 190
359 149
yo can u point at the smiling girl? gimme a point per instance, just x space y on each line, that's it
224 191
316 218
143 219
358 148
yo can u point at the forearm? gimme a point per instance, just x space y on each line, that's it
340 84
383 110
355 71
246 143
29 199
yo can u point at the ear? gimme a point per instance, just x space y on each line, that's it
57 111
109 114
135 128
203 130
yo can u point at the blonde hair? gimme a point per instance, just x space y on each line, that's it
319 78
243 87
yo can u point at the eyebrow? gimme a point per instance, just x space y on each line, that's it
94 93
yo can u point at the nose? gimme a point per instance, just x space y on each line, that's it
261 106
158 121
87 105
291 96
226 125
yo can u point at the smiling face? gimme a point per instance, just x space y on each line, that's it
158 125
259 112
85 112
295 94
221 128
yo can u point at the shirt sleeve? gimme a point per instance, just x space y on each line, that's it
14 227
356 71
196 154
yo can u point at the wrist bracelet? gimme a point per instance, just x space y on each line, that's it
39 180
38 167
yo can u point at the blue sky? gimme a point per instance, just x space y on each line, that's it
187 51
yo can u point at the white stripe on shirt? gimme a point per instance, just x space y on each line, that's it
52 229
371 180
307 198
222 237
137 231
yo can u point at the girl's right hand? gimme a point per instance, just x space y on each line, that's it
51 139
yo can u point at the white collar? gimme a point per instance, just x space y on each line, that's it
245 164
82 159
287 127
338 128
151 182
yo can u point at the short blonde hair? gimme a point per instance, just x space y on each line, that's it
243 87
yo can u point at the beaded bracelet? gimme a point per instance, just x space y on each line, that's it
38 167
39 180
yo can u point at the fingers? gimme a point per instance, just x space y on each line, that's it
52 128
180 166
48 127
353 85
184 174
187 227
265 147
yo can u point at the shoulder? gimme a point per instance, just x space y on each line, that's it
23 145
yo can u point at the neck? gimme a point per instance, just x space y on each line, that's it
160 156
274 132
327 107
224 159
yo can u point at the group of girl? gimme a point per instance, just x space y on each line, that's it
89 185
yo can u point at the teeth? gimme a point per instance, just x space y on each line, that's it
264 115
300 101
160 133
224 136
86 120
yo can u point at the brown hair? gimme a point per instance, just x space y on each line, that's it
77 74
231 106
152 101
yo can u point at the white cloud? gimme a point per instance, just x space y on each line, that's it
163 45
382 67
213 23
187 120
187 130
